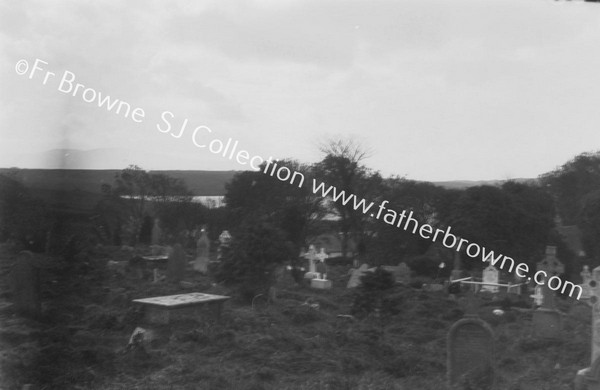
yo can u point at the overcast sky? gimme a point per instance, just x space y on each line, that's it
437 90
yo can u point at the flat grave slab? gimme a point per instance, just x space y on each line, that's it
161 310
323 284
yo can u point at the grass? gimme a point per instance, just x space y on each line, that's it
80 341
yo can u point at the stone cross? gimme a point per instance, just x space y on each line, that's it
538 297
311 256
551 266
595 301
321 267
586 277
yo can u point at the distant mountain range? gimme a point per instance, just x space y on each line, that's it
200 183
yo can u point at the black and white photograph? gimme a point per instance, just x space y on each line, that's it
300 194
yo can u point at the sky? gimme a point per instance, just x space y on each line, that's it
433 89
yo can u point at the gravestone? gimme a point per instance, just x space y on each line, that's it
490 275
538 297
589 378
355 275
156 233
161 310
224 243
311 256
176 264
401 273
456 272
202 252
470 353
547 321
25 285
321 280
586 277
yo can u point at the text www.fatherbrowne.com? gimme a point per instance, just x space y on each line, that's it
406 222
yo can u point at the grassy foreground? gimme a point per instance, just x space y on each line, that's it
303 341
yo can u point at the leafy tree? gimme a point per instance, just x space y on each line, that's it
570 183
342 168
256 249
295 210
515 219
134 194
23 217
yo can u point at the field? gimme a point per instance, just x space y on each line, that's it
306 339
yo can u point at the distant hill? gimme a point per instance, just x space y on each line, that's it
461 184
200 183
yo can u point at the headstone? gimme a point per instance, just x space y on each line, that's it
456 272
156 233
547 321
25 285
595 301
490 275
322 270
355 275
176 264
202 251
321 280
401 273
224 243
589 378
586 277
538 297
470 349
311 256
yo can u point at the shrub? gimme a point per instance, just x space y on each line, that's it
371 294
256 249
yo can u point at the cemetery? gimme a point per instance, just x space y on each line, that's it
171 325
272 292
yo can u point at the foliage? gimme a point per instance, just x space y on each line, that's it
342 168
134 195
570 183
291 208
256 249
23 218
515 219
371 294
426 201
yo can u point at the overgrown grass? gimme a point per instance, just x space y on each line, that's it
288 345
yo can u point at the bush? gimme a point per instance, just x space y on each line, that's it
256 249
371 293
423 266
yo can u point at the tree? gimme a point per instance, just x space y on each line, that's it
134 194
515 219
342 168
570 183
295 210
256 249
427 202
23 217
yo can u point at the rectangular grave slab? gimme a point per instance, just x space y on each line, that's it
547 323
323 284
162 310
470 355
